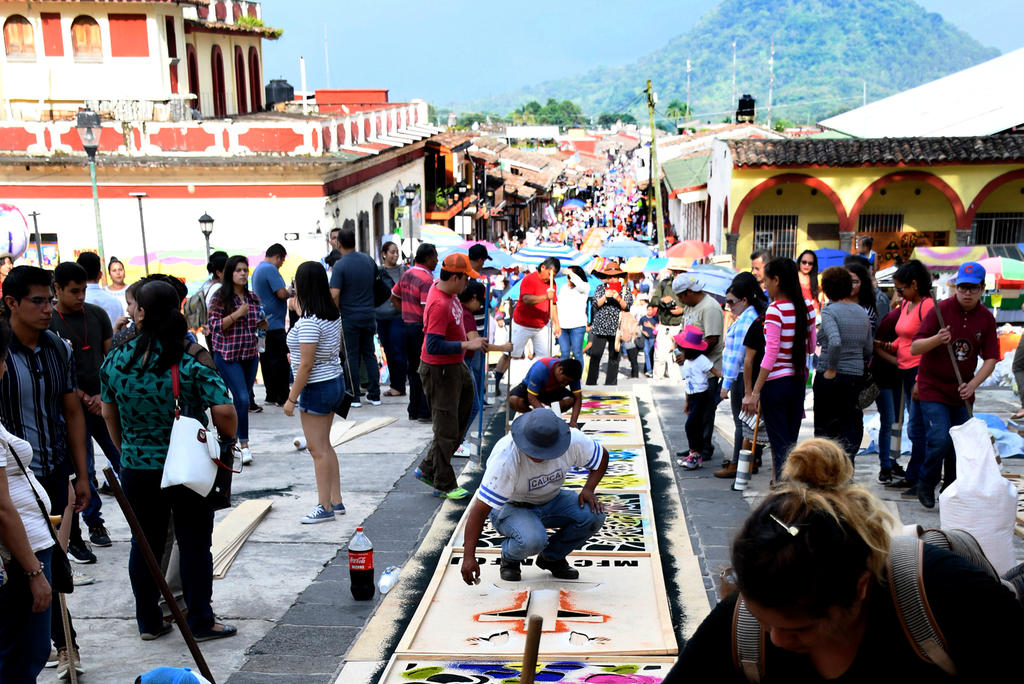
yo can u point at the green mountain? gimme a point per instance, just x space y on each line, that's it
825 53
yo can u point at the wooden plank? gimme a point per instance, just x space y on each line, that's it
339 429
597 614
408 668
365 427
230 533
426 601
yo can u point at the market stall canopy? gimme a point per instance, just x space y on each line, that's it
624 248
948 258
532 256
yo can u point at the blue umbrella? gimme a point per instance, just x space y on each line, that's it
568 256
830 257
716 279
573 204
513 292
624 248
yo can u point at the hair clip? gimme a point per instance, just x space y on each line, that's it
789 528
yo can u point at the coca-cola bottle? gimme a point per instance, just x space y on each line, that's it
360 566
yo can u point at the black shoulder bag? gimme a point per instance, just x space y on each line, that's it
60 567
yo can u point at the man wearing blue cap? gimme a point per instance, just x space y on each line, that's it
522 493
971 331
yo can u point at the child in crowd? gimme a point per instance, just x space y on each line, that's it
649 331
697 367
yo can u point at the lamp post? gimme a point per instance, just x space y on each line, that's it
410 197
142 227
88 125
206 226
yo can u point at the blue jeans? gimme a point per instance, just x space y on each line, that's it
391 332
886 417
359 345
649 354
24 635
940 417
239 377
782 407
525 527
96 428
193 530
915 425
474 365
571 341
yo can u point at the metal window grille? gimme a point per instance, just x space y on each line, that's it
691 221
998 228
880 223
776 233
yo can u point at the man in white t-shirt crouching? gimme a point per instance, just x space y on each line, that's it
522 493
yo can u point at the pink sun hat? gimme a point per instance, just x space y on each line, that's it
691 338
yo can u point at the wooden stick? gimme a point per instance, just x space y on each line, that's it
156 573
63 534
533 630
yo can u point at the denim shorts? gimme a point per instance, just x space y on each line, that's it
320 398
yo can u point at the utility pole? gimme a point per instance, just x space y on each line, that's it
39 240
687 90
733 105
652 99
771 82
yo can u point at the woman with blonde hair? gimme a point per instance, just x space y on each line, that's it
811 569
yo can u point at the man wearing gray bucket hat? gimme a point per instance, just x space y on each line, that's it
522 494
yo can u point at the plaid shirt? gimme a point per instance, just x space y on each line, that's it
413 288
239 341
732 358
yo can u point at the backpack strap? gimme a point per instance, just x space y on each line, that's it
747 643
907 588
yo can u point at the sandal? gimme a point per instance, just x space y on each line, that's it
1018 415
393 393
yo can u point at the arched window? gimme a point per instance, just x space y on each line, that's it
240 99
19 38
255 80
193 75
220 104
85 39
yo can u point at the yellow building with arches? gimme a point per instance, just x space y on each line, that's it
789 195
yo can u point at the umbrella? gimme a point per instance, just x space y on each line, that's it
1003 269
645 264
623 248
513 292
567 255
948 258
439 235
830 257
716 279
571 204
690 249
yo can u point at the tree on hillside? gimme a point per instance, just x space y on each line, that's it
677 110
610 119
565 113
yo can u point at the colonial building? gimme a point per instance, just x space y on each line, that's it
788 195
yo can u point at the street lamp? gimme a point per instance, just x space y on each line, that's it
206 226
88 125
142 227
410 196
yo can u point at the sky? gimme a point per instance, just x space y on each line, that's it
446 51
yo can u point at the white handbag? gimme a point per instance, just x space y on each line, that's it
192 451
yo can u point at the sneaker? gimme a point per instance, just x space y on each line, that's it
418 474
356 404
80 579
465 450
66 660
559 568
246 456
374 402
693 461
884 475
51 660
164 630
79 552
455 494
338 508
425 419
897 470
910 493
510 570
728 470
926 495
98 535
901 483
255 408
318 515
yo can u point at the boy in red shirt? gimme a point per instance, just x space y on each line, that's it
537 308
447 381
971 330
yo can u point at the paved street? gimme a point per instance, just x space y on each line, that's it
288 590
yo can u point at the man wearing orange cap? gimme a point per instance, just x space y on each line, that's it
447 381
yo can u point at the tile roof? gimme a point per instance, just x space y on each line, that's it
687 173
876 151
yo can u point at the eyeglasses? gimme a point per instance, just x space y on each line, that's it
968 287
731 302
41 301
900 290
806 263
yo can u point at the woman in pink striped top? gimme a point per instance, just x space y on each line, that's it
783 373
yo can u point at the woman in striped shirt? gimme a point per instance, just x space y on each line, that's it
314 342
783 371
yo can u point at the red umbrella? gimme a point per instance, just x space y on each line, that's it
690 249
